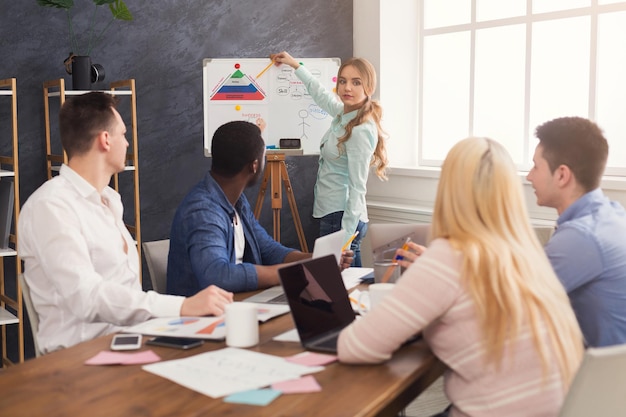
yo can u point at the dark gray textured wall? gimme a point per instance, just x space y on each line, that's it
163 49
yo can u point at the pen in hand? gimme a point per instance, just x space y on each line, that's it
404 247
389 272
393 266
347 244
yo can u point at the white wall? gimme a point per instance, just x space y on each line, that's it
409 194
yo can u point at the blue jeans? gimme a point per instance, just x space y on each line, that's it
332 223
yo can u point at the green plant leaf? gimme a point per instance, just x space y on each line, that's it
120 11
59 4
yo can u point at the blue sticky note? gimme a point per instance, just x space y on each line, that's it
253 397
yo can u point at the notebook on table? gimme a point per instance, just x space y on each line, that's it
318 301
325 245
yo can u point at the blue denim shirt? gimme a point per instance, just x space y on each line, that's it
588 254
202 243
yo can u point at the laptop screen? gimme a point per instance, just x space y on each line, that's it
386 238
317 297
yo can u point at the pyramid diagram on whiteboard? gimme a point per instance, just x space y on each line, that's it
238 87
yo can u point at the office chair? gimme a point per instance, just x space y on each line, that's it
32 314
156 257
599 387
544 233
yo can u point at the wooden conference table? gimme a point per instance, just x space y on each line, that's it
59 384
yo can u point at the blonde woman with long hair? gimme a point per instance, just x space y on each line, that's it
354 141
483 295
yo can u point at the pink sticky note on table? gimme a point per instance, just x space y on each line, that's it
302 385
107 357
311 359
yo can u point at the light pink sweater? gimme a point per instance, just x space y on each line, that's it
430 298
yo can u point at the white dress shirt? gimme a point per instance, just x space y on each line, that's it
81 264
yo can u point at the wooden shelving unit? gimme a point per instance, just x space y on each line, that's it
11 309
56 156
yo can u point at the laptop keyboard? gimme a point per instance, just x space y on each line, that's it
279 299
330 343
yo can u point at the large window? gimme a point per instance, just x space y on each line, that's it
500 68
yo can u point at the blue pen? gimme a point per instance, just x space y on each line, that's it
404 247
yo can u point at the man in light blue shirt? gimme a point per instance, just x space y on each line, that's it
588 247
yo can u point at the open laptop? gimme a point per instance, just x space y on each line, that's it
318 301
330 244
385 238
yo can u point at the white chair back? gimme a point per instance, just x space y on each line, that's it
32 314
599 388
156 253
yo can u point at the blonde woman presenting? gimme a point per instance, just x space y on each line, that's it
354 142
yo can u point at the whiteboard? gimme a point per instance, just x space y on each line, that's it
246 89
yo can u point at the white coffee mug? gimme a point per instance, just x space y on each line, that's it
242 325
377 292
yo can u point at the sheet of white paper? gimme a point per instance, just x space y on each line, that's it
288 336
356 297
330 244
266 311
226 371
352 276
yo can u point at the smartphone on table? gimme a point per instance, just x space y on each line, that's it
175 342
124 341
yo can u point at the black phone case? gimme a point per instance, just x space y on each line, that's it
163 341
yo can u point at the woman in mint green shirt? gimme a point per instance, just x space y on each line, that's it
354 142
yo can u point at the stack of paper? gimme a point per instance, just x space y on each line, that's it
226 371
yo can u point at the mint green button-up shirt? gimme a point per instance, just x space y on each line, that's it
341 177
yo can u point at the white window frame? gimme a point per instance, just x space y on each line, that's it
409 194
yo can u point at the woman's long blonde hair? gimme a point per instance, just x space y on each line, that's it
371 109
480 209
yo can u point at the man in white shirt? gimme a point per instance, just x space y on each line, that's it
81 263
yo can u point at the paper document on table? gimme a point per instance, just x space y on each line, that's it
210 328
288 336
360 300
352 276
266 311
225 371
